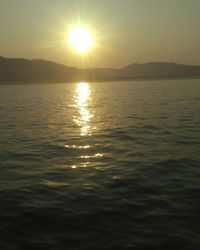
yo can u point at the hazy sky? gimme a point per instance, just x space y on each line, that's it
125 31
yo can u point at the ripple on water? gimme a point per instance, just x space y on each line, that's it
108 168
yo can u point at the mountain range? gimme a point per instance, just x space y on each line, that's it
14 70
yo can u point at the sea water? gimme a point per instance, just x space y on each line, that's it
110 165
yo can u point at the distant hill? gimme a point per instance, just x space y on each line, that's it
23 70
26 71
160 70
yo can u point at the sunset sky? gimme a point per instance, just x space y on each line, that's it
124 31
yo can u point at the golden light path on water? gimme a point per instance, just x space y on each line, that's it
82 99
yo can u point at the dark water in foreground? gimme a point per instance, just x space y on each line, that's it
100 166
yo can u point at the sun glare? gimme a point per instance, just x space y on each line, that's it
80 39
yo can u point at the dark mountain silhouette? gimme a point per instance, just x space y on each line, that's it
160 70
25 71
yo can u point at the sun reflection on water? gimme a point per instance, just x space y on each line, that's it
86 154
82 97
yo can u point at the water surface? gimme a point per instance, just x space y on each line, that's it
100 165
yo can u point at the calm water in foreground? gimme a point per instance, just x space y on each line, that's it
100 166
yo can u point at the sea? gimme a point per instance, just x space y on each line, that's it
109 165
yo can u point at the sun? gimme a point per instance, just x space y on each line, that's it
80 39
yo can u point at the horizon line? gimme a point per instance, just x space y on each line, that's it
134 63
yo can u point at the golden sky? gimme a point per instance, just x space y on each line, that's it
124 31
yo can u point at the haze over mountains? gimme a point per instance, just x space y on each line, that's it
38 70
